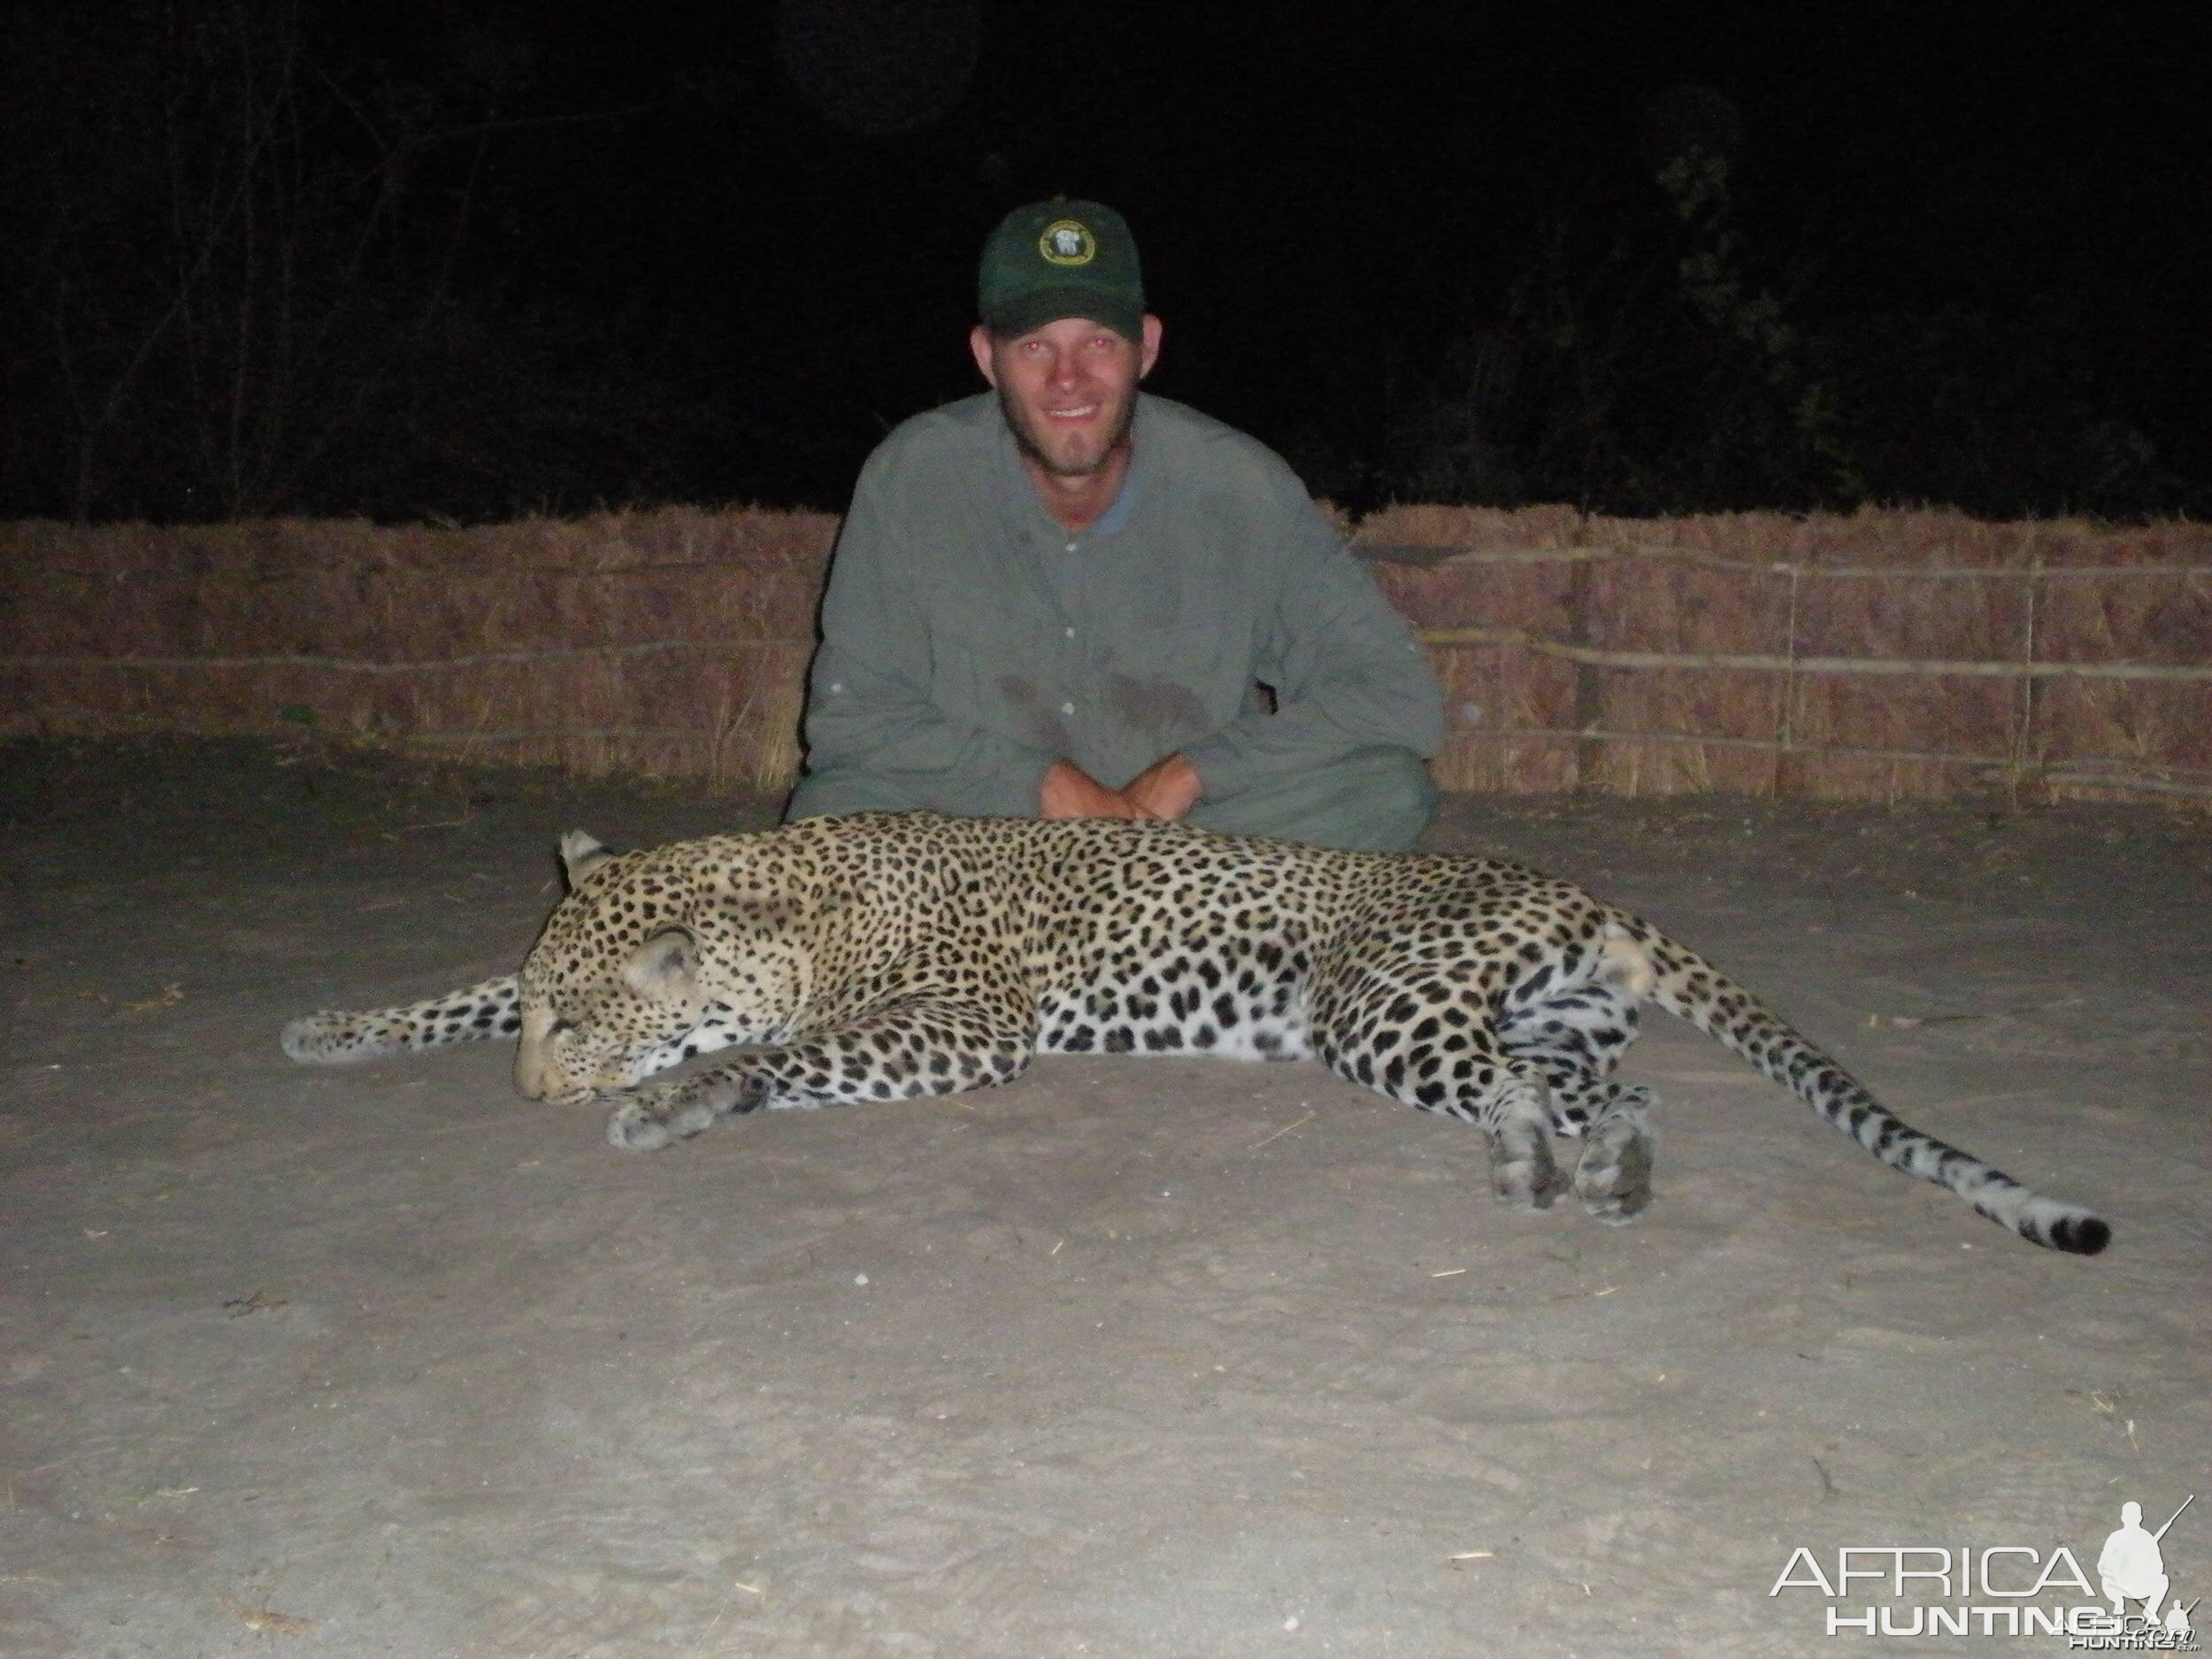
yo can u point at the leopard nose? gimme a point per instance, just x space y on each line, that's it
532 1077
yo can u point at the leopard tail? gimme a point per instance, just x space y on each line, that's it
1691 988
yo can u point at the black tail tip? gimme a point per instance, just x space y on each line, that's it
2083 1237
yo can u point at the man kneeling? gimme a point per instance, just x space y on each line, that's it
1064 597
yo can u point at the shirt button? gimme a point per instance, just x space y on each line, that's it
1067 708
1071 633
1071 547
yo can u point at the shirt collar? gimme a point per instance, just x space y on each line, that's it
1134 481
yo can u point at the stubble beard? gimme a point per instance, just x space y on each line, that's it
1033 449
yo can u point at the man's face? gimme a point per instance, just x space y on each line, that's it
1069 389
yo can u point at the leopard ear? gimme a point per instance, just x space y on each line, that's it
665 965
581 854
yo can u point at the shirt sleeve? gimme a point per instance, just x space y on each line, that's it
1346 670
869 706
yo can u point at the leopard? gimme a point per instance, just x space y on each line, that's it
894 955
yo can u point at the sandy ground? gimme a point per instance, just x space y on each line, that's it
1142 1357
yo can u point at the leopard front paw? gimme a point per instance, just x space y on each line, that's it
332 1037
649 1118
634 1127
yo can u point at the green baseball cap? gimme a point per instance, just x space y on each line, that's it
1061 258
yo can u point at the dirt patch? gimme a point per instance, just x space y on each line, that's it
1168 1357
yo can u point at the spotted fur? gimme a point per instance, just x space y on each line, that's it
885 956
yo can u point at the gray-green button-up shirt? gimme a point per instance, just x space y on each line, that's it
969 640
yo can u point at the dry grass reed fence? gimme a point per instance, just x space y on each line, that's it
1881 655
665 643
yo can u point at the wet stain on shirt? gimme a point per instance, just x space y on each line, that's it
1155 708
1038 720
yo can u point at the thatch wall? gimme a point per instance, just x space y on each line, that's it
672 642
1876 657
1880 656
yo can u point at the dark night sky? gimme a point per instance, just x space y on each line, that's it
1323 194
1327 197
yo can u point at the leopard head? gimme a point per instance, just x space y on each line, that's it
641 966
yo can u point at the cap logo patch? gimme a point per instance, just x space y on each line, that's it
1068 241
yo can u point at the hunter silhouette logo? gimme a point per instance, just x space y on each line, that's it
2133 1568
1068 241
